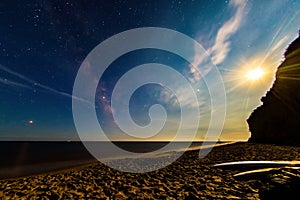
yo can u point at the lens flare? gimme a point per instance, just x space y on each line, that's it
255 74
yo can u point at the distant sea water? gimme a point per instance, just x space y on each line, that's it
26 158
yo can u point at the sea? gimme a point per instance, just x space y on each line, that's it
24 158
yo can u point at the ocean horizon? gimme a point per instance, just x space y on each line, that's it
22 158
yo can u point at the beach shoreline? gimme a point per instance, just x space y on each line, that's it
187 177
62 162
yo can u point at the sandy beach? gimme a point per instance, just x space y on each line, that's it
187 178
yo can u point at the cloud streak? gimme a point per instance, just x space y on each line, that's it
35 85
13 83
221 46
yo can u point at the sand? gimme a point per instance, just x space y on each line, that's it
187 178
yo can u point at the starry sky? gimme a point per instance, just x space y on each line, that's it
43 44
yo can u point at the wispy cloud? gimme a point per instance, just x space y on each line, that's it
183 97
222 45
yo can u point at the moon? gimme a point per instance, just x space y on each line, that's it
255 74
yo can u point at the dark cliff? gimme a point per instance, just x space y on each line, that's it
277 121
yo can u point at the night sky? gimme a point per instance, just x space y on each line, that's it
43 44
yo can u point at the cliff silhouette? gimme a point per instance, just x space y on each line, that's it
277 120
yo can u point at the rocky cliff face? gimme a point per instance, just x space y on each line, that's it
277 121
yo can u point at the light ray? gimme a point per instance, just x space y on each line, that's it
32 82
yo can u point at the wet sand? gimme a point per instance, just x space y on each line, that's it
187 178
